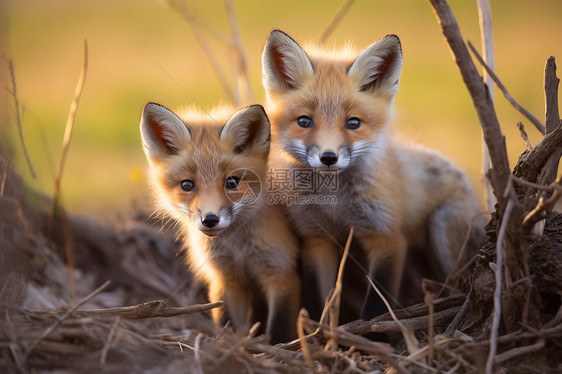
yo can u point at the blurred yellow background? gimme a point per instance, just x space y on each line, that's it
136 45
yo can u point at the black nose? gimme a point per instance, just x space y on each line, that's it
210 220
329 158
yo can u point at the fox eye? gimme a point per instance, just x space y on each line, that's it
231 183
187 185
304 122
352 123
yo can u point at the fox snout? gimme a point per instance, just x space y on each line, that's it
322 158
213 223
210 220
329 158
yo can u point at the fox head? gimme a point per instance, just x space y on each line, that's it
330 110
206 168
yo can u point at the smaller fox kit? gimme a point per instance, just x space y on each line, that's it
205 171
331 111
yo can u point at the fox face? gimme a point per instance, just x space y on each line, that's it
204 169
330 112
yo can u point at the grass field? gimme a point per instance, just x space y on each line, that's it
137 46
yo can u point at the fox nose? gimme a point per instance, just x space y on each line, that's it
210 220
329 158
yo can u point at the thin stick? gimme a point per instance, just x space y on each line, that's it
150 309
544 205
51 328
197 354
304 345
342 11
409 337
487 42
506 94
18 118
459 318
518 351
498 291
5 166
551 82
240 64
183 9
109 340
68 132
336 295
524 135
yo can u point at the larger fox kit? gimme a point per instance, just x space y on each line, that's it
205 170
331 111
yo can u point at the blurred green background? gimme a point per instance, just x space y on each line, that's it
136 45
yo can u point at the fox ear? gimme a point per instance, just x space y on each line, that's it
378 66
284 63
162 131
248 128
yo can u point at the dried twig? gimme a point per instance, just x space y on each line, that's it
342 11
479 93
183 9
544 206
335 299
506 94
58 178
14 93
304 345
409 337
498 271
523 133
551 82
68 130
487 42
150 309
518 351
5 165
109 340
244 89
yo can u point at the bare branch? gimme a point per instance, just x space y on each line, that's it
551 82
480 97
506 94
244 91
487 42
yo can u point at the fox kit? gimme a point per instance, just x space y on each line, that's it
205 170
331 111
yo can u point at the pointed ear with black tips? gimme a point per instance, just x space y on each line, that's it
284 63
378 67
162 131
248 129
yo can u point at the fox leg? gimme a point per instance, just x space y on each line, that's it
237 303
216 293
447 228
320 267
282 295
386 255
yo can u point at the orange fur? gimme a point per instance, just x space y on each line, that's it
206 172
395 196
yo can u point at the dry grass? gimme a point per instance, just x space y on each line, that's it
125 325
